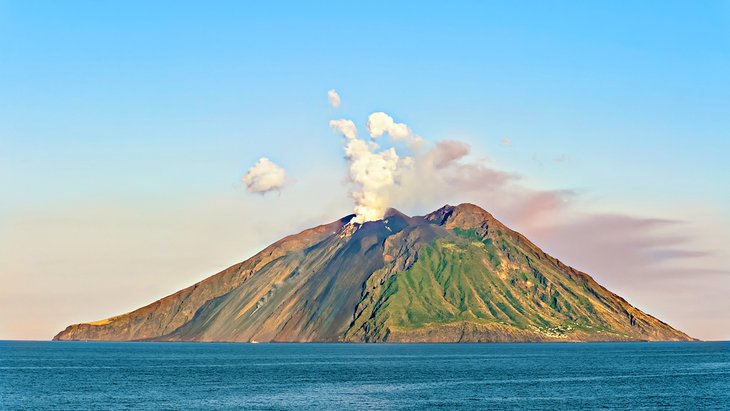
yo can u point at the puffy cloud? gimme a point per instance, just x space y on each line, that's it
381 123
264 176
334 98
345 127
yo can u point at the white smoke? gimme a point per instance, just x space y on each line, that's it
423 178
333 98
264 176
373 171
380 123
384 178
346 127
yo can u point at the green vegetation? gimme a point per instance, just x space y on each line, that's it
451 281
467 278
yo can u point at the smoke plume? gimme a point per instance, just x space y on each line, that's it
333 98
374 171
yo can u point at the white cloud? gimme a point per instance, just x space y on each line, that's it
346 127
264 176
333 98
381 123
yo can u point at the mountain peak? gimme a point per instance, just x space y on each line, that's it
392 212
465 216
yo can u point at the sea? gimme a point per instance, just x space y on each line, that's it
45 375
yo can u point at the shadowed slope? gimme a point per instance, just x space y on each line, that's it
166 315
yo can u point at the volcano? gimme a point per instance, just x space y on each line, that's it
454 275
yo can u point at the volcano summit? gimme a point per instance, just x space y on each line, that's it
454 275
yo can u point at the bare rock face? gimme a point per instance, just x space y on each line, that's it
454 275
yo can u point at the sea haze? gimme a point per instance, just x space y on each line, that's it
110 375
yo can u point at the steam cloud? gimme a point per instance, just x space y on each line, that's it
373 171
380 123
382 177
333 98
264 176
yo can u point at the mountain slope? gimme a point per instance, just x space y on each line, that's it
456 274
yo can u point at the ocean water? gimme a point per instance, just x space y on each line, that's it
183 376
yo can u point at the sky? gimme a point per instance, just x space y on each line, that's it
600 130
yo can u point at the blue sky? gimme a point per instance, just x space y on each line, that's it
154 108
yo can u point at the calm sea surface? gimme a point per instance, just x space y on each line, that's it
79 375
